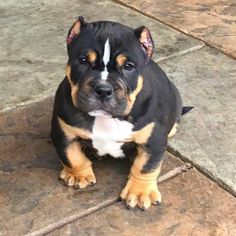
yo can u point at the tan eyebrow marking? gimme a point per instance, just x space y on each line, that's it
92 56
121 59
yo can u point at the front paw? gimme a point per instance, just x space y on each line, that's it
79 179
142 192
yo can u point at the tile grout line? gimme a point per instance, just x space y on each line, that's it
172 27
30 61
181 53
25 104
202 170
69 219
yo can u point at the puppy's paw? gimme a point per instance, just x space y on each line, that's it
141 192
79 179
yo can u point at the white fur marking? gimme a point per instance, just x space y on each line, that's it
108 134
106 58
106 54
99 113
104 74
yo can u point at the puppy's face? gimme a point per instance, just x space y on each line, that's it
105 66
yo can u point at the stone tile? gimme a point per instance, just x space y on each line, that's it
22 82
192 205
31 197
33 121
206 80
213 21
33 48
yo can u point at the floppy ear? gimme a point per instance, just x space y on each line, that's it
145 39
75 29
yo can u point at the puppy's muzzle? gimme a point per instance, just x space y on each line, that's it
104 91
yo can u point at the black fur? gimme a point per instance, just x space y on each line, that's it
158 101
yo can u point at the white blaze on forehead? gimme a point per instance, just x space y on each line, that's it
107 51
106 58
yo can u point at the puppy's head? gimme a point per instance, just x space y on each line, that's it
105 66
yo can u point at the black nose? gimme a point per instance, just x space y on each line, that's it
104 91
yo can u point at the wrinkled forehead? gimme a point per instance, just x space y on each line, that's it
100 36
118 34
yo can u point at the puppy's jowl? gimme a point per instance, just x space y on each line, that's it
114 101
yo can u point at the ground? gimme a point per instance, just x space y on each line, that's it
195 45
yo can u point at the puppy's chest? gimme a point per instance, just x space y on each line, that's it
109 134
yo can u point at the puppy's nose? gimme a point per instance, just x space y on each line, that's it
104 91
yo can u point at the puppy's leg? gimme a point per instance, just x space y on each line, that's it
77 170
141 188
79 173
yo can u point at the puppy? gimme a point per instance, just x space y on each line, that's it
115 100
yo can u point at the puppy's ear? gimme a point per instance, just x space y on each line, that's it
75 29
145 39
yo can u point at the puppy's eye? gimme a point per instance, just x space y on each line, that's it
129 66
83 60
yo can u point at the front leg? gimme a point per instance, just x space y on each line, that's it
141 188
77 169
79 173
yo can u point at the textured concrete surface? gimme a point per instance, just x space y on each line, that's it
33 49
213 21
192 205
207 135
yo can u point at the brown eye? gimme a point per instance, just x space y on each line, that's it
129 66
83 60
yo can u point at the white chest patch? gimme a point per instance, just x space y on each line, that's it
108 134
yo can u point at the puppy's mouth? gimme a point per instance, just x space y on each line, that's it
97 100
99 113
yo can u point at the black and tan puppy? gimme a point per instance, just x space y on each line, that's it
114 101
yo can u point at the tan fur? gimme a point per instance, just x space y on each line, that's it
121 59
142 136
141 188
73 132
138 165
77 158
74 87
133 95
80 173
92 56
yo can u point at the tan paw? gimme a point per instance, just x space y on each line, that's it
141 192
79 179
